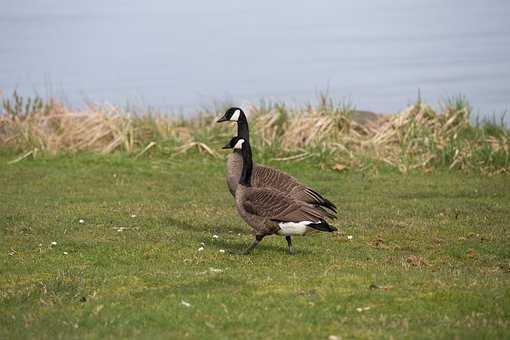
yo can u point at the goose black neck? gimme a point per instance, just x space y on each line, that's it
247 165
242 127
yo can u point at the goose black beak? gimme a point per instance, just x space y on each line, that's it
227 146
222 119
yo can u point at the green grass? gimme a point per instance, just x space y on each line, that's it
437 246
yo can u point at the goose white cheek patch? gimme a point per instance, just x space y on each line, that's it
239 144
235 116
293 228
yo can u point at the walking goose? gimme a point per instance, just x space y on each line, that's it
264 176
269 211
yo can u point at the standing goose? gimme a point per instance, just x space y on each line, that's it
264 176
269 211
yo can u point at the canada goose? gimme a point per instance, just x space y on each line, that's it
269 211
264 176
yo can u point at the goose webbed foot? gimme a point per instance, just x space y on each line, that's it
289 243
252 246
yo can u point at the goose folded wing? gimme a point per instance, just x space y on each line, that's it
309 195
277 206
265 176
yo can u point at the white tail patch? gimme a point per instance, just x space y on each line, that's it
235 116
293 228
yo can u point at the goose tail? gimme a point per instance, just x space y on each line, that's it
321 200
322 226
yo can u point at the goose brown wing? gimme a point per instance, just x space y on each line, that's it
274 205
306 194
265 176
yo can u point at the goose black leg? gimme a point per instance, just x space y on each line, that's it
289 242
252 246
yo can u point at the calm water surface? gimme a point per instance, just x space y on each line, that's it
376 54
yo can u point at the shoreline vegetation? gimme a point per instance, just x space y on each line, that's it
333 135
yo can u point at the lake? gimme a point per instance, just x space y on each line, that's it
179 56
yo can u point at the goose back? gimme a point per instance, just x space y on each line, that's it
264 176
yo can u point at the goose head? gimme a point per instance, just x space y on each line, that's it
231 144
234 114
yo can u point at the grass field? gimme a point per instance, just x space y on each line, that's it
429 254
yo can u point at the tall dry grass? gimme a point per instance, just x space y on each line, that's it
416 138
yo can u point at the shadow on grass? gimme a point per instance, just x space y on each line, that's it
198 228
237 247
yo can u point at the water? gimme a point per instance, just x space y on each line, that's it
376 54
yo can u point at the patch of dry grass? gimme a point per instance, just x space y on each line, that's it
416 138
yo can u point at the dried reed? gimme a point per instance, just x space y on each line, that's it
416 138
